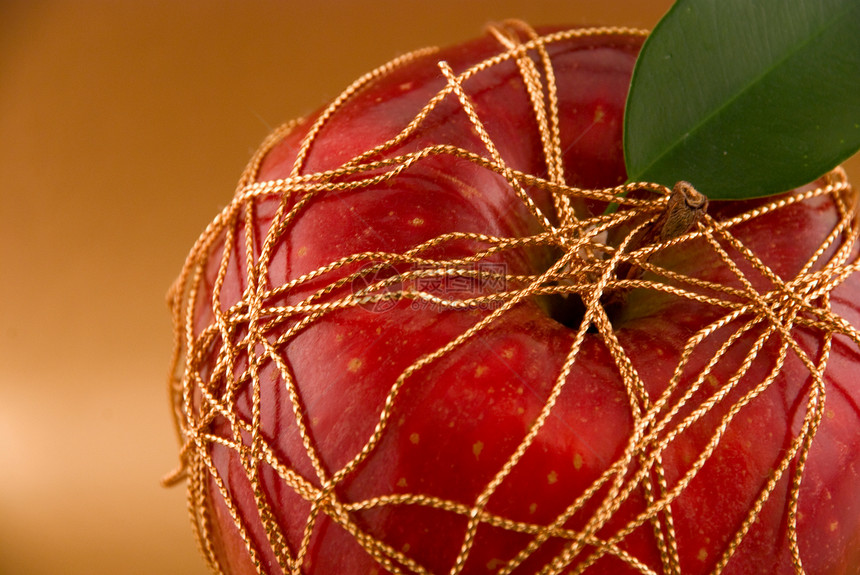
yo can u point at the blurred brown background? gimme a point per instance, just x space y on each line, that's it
123 129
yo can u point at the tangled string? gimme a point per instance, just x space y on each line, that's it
227 330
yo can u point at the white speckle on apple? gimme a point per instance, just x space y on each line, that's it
354 365
477 448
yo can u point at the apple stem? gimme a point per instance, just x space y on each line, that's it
685 207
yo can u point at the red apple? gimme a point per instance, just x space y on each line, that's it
348 409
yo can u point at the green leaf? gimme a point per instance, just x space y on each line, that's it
745 98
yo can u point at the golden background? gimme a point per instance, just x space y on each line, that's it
123 129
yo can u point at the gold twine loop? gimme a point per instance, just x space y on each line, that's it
220 365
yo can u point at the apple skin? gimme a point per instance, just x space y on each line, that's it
457 420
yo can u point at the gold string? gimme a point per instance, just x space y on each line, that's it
587 268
